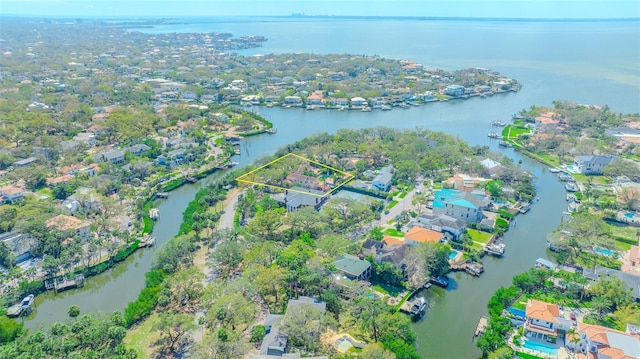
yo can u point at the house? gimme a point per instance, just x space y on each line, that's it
137 149
467 206
70 170
543 321
382 182
453 90
293 100
297 197
25 162
358 102
56 181
443 223
353 267
464 182
493 167
631 280
91 170
63 222
18 244
303 180
315 99
275 344
592 165
600 342
631 262
371 247
114 157
417 235
86 138
11 194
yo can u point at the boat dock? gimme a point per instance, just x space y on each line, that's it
497 249
417 306
498 124
442 281
154 213
474 269
483 323
146 241
65 283
161 195
493 135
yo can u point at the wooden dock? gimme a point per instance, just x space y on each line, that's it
146 241
481 327
65 283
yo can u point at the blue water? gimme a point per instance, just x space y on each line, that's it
540 347
517 312
629 215
453 255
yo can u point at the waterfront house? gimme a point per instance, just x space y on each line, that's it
417 235
464 182
543 321
443 223
293 100
467 206
598 342
303 180
492 167
353 267
18 244
316 98
594 164
382 182
453 90
358 102
340 101
63 223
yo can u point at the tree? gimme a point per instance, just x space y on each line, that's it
610 292
303 325
265 223
176 254
227 256
73 311
172 329
233 312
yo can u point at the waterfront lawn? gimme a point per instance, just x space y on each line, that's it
393 232
386 289
521 302
479 236
602 180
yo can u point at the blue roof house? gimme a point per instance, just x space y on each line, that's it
467 206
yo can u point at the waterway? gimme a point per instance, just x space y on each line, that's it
581 62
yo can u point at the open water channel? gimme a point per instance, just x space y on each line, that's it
552 61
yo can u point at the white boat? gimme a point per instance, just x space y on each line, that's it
27 301
366 109
554 170
385 108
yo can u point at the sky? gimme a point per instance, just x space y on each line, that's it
538 9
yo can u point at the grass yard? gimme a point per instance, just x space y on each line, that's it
393 232
403 195
479 236
141 337
511 132
526 356
521 302
391 205
386 289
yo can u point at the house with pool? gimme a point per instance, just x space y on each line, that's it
598 342
543 321
466 206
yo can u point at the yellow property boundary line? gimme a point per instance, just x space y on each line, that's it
243 180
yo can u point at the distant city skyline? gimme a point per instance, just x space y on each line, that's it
526 9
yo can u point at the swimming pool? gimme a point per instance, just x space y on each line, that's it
541 347
452 255
605 252
629 215
517 312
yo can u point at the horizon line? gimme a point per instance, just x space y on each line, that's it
337 17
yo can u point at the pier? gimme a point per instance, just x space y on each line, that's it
417 306
146 241
154 213
481 327
497 249
474 269
65 283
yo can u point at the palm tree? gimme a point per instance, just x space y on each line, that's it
600 305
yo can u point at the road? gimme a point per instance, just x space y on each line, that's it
404 204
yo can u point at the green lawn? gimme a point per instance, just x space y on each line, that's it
526 356
142 336
393 232
403 195
391 205
386 289
593 179
521 302
479 236
511 132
